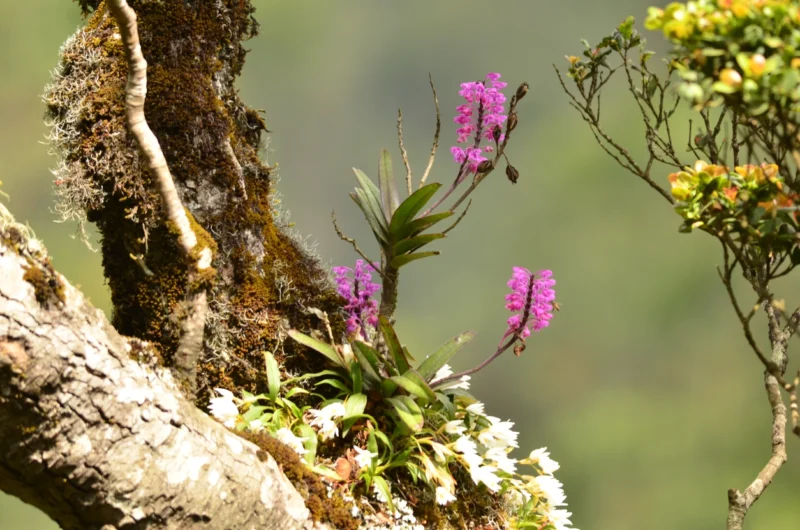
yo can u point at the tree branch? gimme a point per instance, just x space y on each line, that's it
740 502
97 440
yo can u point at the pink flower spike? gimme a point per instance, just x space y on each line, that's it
531 298
483 110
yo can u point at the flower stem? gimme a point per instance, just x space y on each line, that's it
500 349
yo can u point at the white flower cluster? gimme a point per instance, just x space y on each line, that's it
325 420
484 452
481 443
225 407
446 371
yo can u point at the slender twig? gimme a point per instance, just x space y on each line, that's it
403 152
590 116
793 405
460 217
190 344
435 136
355 245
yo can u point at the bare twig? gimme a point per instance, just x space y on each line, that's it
793 405
403 151
355 245
435 136
590 116
460 217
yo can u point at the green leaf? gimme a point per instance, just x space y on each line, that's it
372 198
335 383
310 442
393 343
325 349
383 486
253 413
304 377
405 259
416 226
413 243
373 219
383 438
442 356
414 375
327 472
296 390
372 442
408 411
355 376
388 387
626 28
412 383
296 412
411 206
447 404
389 198
368 357
354 405
273 375
410 386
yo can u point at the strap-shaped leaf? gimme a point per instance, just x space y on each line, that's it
412 205
273 375
388 387
355 376
416 226
389 198
393 343
383 487
253 413
303 377
412 383
408 411
354 405
413 243
405 259
335 383
373 196
325 349
373 219
442 356
409 386
368 357
309 442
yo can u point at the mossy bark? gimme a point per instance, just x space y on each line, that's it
263 279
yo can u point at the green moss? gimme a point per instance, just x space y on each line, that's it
194 52
334 509
47 286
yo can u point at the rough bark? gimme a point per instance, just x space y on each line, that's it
262 279
96 438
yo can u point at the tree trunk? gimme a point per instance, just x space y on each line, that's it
94 431
263 279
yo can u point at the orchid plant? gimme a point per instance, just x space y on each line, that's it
399 417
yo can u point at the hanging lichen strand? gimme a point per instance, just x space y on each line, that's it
262 277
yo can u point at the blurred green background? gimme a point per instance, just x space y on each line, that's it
642 388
